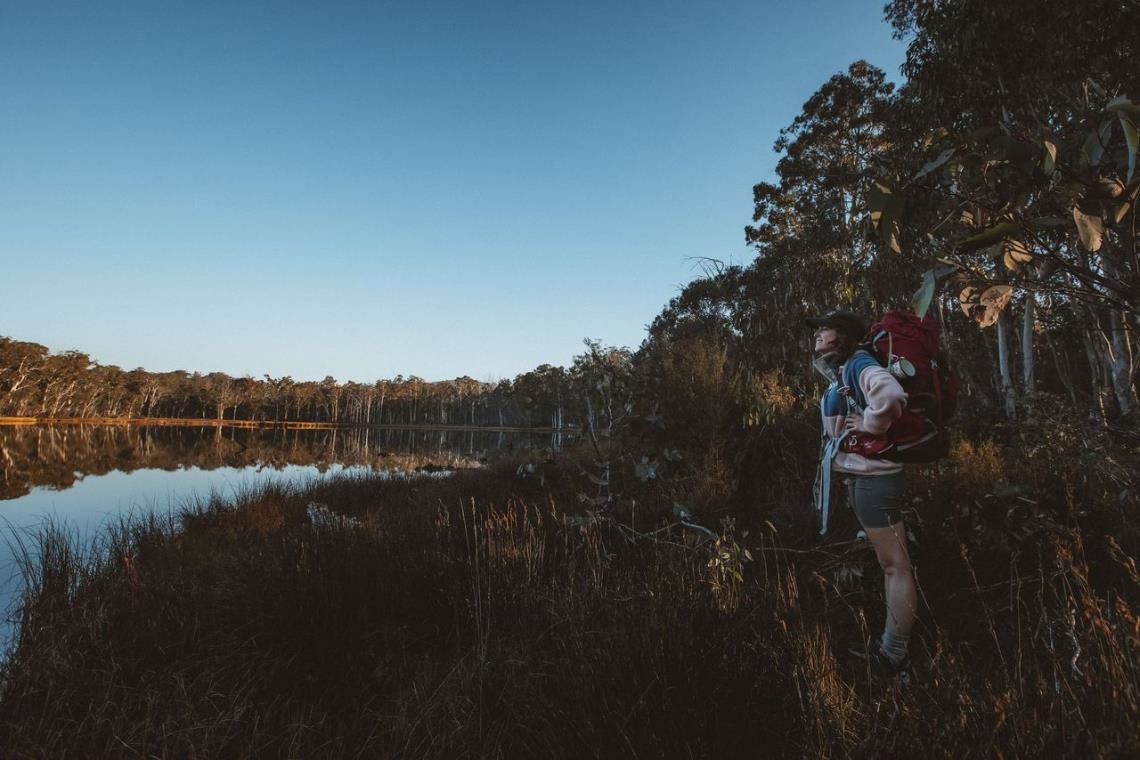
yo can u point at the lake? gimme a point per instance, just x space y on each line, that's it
85 476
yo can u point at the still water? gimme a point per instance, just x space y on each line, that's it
85 477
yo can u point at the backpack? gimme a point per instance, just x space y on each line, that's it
908 346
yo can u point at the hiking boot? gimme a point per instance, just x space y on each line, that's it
880 664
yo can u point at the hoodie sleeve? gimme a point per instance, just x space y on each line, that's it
885 398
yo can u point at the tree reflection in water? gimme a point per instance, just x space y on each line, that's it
56 456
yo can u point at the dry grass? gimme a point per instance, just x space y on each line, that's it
486 615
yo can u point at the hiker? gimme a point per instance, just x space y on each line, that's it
874 486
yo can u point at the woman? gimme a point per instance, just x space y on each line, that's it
867 404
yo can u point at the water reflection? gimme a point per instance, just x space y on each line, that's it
57 456
84 477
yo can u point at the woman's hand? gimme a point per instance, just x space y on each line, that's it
853 423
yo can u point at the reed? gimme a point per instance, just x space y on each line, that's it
487 614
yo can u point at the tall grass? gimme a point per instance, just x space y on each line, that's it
486 615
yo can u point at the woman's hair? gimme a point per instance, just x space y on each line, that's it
849 330
846 344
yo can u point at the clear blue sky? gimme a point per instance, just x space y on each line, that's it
371 189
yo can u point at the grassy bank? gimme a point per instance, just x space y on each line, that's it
488 615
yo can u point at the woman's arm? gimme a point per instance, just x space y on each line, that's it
885 399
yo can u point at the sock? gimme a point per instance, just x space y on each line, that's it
894 646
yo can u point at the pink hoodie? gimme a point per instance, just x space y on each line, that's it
885 400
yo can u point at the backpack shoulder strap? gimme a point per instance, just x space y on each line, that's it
852 369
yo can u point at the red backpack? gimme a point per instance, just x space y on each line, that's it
908 346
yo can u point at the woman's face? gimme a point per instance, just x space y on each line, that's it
826 340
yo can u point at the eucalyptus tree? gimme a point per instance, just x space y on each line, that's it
279 393
542 395
502 398
468 394
412 390
1028 185
21 367
382 390
811 229
814 214
971 62
602 378
68 376
219 388
330 392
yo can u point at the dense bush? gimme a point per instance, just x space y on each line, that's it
490 614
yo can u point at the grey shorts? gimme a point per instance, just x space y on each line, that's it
877 499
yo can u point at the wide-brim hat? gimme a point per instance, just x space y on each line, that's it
846 323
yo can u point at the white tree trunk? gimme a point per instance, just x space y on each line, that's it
1027 367
1120 350
1121 366
1009 392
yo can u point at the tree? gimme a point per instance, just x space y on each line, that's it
1014 162
973 62
219 389
831 154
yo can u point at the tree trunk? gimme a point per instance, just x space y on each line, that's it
1027 368
1121 365
1063 370
1007 387
1120 349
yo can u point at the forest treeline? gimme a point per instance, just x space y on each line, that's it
1003 170
35 382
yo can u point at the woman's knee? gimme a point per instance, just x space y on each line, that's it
890 549
895 566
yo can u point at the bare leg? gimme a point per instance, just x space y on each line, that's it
898 580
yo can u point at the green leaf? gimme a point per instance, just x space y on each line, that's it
920 303
886 208
945 268
1049 162
1132 137
1096 142
1122 105
1129 115
992 235
1090 228
930 166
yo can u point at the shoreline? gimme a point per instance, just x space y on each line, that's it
262 424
